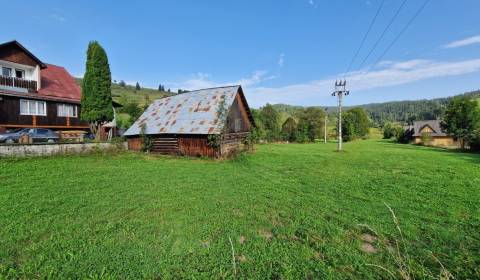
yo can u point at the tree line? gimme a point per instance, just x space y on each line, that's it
306 124
395 111
460 120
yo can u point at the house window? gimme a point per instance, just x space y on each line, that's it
33 107
19 73
6 71
67 110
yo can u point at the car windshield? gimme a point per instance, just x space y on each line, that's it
18 130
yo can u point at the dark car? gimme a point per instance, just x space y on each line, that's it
36 134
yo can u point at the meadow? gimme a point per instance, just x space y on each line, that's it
289 211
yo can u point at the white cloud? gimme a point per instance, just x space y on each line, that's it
203 80
464 42
392 74
281 60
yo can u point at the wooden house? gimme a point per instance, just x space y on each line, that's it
36 94
213 122
430 133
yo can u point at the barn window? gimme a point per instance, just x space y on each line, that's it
238 124
67 110
33 107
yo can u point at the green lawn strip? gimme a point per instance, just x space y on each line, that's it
291 211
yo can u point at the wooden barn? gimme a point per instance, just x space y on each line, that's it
214 122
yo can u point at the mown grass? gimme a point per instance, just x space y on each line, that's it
292 211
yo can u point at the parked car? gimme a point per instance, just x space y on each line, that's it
36 134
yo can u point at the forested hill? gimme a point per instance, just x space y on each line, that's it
395 111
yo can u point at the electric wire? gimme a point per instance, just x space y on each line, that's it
412 19
392 20
364 38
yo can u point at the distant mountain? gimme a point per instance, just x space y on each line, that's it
395 111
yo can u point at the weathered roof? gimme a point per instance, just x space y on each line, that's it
57 82
433 124
194 112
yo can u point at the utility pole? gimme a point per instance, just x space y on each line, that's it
340 91
325 126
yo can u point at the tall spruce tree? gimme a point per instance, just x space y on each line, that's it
96 89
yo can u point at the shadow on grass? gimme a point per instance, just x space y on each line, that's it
462 154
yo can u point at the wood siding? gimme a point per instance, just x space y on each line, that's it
238 118
233 143
10 116
439 141
192 145
135 144
196 146
16 55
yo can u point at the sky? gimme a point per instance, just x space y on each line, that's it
280 51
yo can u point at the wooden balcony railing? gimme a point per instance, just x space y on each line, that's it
30 85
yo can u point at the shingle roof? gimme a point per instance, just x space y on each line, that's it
433 124
194 112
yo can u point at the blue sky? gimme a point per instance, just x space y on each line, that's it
281 51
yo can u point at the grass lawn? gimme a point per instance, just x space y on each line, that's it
291 211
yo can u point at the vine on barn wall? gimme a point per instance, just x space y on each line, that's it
215 140
147 141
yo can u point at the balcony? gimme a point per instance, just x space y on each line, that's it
18 84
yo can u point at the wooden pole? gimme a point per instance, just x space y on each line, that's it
325 128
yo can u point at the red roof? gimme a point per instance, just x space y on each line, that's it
58 83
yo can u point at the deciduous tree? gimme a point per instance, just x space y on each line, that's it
462 120
289 130
355 124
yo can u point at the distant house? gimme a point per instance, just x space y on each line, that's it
213 122
431 133
36 94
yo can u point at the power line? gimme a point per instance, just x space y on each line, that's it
402 31
364 38
384 32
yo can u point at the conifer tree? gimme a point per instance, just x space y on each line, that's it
96 89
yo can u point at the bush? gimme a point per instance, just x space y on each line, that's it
406 136
355 124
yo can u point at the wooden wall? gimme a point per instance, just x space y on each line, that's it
238 118
196 145
439 141
15 54
233 143
134 144
10 116
189 145
192 144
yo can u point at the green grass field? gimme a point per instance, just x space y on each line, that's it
291 211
